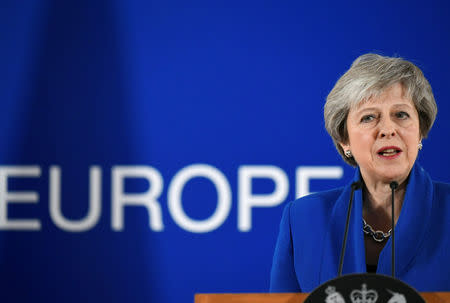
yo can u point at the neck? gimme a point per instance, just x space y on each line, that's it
377 203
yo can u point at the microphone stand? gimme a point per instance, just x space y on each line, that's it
393 186
354 186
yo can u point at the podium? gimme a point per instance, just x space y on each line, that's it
430 297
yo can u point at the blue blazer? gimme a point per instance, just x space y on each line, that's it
312 229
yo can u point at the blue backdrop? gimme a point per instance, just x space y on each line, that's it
147 148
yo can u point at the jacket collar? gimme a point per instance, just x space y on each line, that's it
409 230
411 225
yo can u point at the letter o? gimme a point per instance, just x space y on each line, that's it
223 198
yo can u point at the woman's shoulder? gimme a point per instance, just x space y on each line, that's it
442 186
311 213
442 190
316 202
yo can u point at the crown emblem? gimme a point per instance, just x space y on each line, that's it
333 296
364 295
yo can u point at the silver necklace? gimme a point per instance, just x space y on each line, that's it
378 235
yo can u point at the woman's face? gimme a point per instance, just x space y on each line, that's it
384 134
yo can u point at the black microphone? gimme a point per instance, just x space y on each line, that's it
355 185
393 186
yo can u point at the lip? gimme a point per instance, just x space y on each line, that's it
399 152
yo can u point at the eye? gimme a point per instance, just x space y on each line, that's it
367 118
402 115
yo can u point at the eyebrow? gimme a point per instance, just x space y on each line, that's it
397 105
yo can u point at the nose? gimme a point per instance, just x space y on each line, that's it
387 128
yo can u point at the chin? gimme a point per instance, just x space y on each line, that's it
390 174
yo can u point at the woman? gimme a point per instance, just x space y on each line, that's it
377 115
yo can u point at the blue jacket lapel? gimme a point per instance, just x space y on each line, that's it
412 224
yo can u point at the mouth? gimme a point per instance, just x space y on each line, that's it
389 152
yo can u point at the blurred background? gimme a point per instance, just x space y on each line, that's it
147 148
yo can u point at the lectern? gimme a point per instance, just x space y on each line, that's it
430 297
